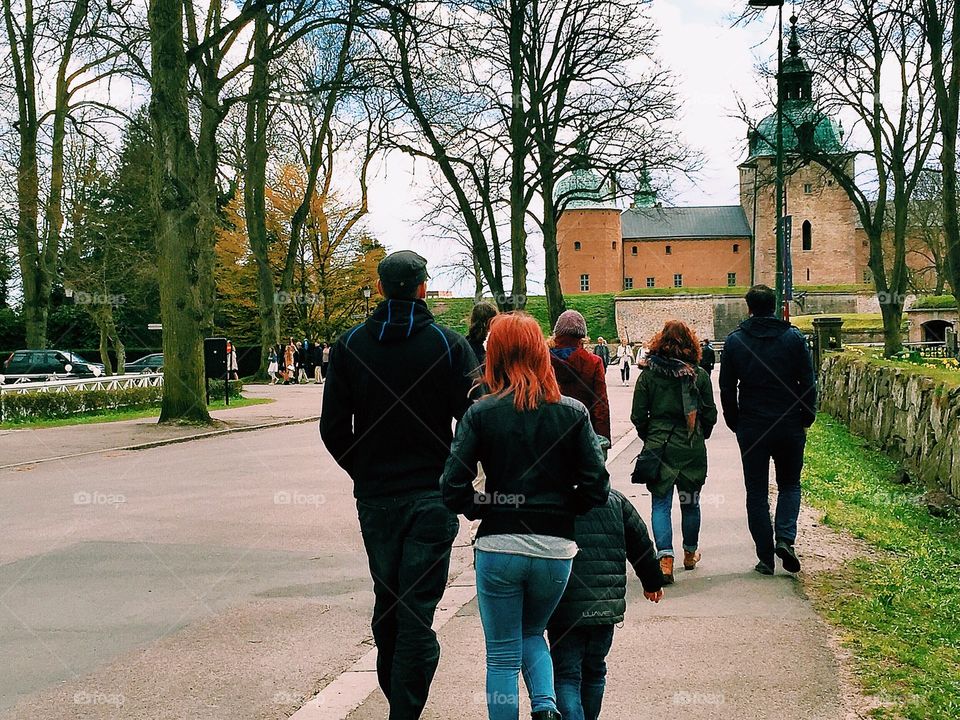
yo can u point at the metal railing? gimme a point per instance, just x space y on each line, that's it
112 382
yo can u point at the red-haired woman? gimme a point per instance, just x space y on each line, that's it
544 466
673 409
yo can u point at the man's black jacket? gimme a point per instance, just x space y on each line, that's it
394 386
766 376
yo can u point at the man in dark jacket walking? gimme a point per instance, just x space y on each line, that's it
394 385
581 628
708 357
769 397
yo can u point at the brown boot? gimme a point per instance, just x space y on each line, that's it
666 567
690 559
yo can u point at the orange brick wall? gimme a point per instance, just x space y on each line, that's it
837 255
703 263
600 254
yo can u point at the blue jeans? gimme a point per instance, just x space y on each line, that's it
517 595
579 665
785 447
661 507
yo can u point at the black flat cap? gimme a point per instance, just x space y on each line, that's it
403 270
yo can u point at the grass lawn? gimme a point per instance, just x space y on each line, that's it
936 302
899 613
597 309
87 419
863 322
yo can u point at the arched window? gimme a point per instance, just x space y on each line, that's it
807 235
576 245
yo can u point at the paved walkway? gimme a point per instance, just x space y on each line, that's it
724 643
291 403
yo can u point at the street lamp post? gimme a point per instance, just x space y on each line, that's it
779 150
366 297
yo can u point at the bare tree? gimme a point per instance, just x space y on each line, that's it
941 20
873 65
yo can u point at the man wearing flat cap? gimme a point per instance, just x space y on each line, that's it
395 384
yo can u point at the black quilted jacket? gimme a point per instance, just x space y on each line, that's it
608 536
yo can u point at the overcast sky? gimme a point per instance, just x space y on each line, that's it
714 64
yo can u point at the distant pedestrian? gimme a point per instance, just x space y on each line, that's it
480 317
625 360
579 373
316 357
307 353
300 360
272 366
394 386
289 362
594 603
544 466
674 414
602 351
708 359
769 396
324 361
232 367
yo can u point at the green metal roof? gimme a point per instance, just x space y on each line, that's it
826 135
585 190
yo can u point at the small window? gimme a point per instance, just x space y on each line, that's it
613 245
807 233
736 248
867 275
808 274
576 245
677 280
628 283
584 283
807 189
651 282
669 250
731 279
633 250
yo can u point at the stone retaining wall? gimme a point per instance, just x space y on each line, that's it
913 418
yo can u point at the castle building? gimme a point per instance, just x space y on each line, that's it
606 249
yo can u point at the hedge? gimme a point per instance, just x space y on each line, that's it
24 407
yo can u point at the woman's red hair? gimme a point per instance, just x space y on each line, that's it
678 341
518 361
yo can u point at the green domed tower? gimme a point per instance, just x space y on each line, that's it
824 248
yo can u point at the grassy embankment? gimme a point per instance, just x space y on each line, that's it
898 610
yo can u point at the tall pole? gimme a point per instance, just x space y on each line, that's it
779 180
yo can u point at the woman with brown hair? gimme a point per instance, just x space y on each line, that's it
674 413
544 467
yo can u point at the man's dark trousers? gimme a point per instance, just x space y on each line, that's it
408 543
784 443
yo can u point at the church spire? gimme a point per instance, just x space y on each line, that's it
796 78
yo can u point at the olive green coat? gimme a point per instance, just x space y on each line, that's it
659 409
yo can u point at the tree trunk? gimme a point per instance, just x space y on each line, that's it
254 196
551 280
174 188
518 157
892 313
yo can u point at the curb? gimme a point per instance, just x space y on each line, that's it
167 441
351 688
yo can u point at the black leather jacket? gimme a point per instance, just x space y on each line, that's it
543 467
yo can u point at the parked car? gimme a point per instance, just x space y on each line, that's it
152 363
41 365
